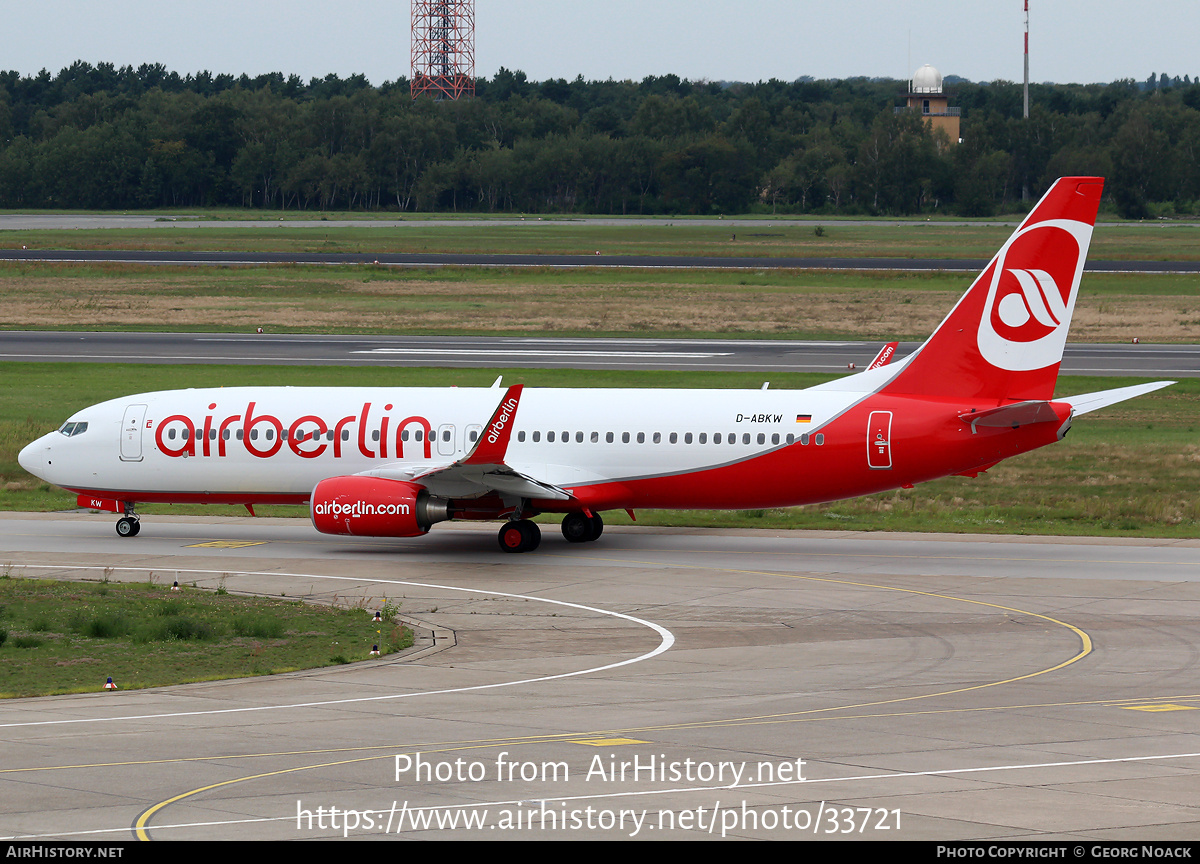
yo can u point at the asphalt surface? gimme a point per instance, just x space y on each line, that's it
868 686
508 352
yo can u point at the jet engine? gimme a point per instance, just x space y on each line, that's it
374 507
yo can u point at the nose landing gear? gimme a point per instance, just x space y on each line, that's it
128 525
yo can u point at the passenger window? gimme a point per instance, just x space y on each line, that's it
550 437
609 438
820 439
745 437
374 435
703 437
674 438
595 437
520 436
657 437
537 436
804 440
624 437
762 438
641 438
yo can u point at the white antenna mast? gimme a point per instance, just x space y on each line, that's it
1026 59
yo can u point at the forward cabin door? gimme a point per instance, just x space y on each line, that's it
131 433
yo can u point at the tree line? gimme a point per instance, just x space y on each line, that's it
102 137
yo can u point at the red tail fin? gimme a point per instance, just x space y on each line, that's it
1005 338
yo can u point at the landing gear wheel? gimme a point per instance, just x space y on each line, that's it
519 536
127 527
578 528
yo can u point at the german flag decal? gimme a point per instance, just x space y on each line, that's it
803 418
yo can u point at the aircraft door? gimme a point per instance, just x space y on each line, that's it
445 439
879 440
131 433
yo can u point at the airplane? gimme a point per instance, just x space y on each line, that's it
391 462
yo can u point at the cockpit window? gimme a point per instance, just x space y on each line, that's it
73 429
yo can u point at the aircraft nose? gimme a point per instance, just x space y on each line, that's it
33 457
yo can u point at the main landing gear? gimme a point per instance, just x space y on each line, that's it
578 528
128 525
519 535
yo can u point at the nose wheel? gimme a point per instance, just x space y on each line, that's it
520 535
128 526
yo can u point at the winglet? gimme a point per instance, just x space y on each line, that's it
884 356
492 445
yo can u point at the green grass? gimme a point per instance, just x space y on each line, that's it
68 637
787 238
1129 470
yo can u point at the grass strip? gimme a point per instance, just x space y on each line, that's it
69 637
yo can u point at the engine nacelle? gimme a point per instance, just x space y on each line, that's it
374 507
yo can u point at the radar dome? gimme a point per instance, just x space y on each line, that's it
927 80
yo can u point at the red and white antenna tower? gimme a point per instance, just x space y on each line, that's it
443 48
1026 59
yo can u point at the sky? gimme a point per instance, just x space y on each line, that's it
1079 41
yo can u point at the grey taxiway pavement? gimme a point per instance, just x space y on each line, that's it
507 352
747 684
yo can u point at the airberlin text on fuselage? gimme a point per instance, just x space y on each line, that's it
307 436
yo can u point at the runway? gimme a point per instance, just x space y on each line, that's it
1170 361
750 684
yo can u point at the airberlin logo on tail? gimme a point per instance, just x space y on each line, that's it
1034 281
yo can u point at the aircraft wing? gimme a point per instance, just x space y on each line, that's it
1092 401
483 470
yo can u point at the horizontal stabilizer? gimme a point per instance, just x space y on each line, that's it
1011 416
1093 401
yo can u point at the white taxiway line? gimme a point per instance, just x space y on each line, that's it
666 637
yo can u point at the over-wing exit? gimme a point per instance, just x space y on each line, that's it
391 462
